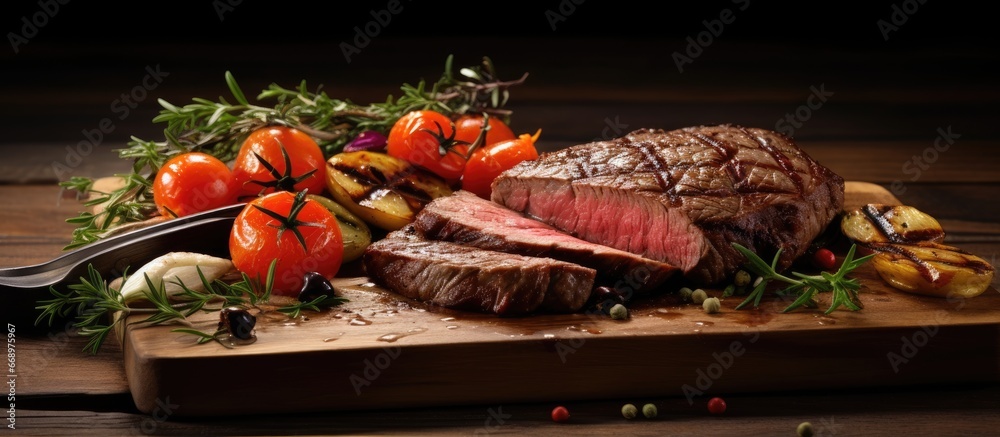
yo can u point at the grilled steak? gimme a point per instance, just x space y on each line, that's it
469 220
682 196
468 278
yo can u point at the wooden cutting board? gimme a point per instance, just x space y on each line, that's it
384 351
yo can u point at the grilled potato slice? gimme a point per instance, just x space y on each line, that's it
385 191
932 269
908 253
355 232
877 223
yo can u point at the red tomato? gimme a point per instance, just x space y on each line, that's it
487 163
467 129
308 164
193 182
427 139
269 228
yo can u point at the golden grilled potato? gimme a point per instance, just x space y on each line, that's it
877 223
933 269
383 190
909 255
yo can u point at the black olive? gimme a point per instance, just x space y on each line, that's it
315 285
238 321
607 293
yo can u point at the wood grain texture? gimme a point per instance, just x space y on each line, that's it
384 351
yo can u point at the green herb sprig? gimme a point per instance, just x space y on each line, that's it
98 309
805 287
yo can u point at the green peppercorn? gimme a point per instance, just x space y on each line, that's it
649 410
712 305
619 312
742 278
729 291
698 296
685 294
805 429
629 411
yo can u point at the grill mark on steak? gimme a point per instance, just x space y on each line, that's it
732 166
783 162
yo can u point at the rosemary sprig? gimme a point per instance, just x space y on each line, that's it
220 127
97 308
804 287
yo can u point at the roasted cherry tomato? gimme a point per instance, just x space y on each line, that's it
262 164
301 234
427 139
488 162
468 126
193 182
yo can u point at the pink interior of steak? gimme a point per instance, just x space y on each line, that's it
620 219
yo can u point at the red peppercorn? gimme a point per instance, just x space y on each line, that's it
825 259
716 405
560 414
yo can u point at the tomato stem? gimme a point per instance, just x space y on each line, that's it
291 222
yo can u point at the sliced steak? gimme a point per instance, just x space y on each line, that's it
682 196
469 220
468 278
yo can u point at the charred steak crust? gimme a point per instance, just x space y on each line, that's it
467 219
468 278
682 196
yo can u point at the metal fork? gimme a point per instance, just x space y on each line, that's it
22 287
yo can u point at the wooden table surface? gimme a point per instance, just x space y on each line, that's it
880 108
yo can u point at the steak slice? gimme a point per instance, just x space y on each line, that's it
682 196
467 278
470 220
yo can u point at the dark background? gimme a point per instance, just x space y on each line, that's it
608 61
